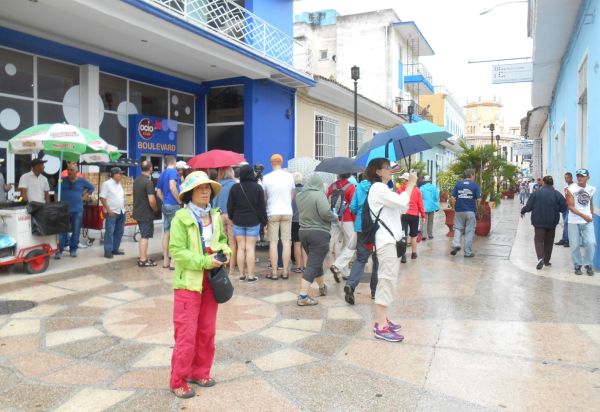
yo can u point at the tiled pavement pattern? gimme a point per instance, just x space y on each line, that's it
489 333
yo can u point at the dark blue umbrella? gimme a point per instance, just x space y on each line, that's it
402 141
338 166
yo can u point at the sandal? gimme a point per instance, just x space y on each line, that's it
184 392
286 277
145 263
205 383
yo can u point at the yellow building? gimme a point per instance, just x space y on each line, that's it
478 117
325 120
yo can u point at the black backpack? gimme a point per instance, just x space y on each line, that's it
337 200
369 227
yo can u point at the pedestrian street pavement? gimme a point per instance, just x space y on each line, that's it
481 334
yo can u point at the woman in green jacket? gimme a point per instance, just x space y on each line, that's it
197 235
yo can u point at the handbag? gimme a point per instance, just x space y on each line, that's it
218 278
400 244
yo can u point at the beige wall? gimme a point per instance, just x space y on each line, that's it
436 109
307 108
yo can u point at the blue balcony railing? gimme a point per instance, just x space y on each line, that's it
416 74
239 25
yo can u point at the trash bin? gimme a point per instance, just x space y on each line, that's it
49 218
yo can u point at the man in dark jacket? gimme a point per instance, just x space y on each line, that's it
546 205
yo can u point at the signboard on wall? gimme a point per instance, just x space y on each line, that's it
512 73
148 134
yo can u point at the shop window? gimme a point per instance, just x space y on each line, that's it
185 140
16 73
55 113
16 115
113 132
228 137
22 166
54 79
326 137
148 99
225 104
113 91
182 107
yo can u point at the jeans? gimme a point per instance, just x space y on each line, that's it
429 232
113 232
544 242
565 235
464 223
522 197
582 234
358 267
73 240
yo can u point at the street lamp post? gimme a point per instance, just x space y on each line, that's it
355 74
491 127
498 144
411 110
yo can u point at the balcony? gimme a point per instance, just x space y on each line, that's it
240 26
419 113
418 80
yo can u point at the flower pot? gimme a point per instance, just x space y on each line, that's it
483 224
449 221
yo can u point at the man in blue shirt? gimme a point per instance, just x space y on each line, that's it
464 199
168 192
73 191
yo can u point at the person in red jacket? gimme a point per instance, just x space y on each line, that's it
343 236
410 220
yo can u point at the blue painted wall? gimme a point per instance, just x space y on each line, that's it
586 40
279 13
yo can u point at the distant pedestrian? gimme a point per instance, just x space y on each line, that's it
545 206
247 211
112 197
580 199
73 190
464 199
388 207
168 191
362 251
564 241
431 203
410 220
343 236
144 210
279 192
33 185
523 193
316 218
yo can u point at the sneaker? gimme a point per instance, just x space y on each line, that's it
540 264
253 280
403 260
413 255
566 244
306 301
323 290
297 270
118 252
184 392
469 255
578 270
589 271
58 256
73 254
387 334
108 255
336 273
349 294
560 242
547 264
393 326
454 250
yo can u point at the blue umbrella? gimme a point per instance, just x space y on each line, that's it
402 141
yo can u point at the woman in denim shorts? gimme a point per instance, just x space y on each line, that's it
246 208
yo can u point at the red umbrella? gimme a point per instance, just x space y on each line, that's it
214 159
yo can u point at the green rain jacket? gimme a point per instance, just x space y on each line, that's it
186 250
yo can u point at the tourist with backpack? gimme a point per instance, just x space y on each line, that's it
381 223
362 251
343 236
410 219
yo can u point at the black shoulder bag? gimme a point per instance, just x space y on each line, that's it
400 244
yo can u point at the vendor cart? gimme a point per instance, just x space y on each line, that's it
93 212
17 243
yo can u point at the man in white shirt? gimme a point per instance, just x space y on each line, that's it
581 222
564 241
112 197
33 185
279 190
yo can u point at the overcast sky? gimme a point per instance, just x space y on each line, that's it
458 34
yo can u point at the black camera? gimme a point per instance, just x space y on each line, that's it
221 257
258 170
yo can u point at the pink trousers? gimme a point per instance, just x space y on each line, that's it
195 321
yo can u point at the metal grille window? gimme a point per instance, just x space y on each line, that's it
354 141
326 137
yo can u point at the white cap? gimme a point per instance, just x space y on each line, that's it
182 165
427 178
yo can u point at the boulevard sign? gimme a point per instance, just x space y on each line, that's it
512 73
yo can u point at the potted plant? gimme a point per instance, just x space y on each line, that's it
446 181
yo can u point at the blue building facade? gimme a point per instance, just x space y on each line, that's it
216 83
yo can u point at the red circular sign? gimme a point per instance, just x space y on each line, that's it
146 128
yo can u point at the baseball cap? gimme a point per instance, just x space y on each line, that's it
276 158
115 170
582 172
427 178
36 162
182 165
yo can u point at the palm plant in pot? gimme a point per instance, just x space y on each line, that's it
446 181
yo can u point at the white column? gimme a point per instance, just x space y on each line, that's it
89 91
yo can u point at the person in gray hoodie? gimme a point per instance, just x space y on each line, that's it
316 218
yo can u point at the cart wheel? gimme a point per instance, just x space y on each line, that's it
37 265
136 236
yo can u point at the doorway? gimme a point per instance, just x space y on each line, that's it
157 164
